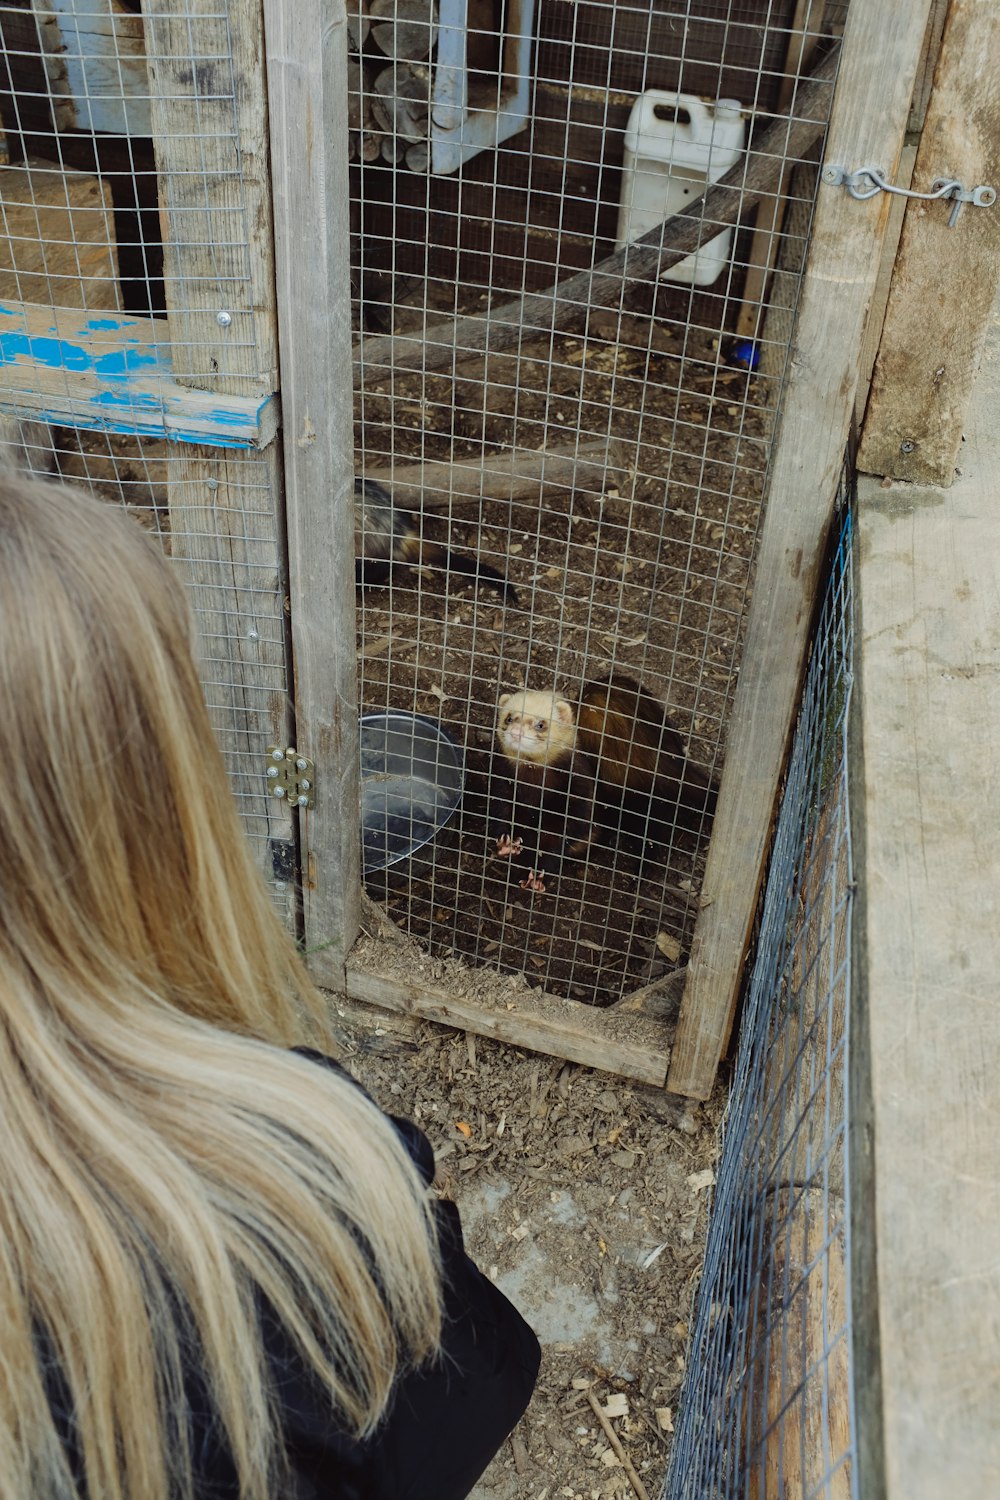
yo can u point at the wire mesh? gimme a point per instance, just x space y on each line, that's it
137 352
597 433
767 1404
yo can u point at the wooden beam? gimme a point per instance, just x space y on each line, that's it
109 372
306 45
209 121
208 105
757 175
926 812
629 1045
945 277
882 47
771 210
434 483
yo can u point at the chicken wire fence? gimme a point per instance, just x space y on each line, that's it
588 415
767 1404
590 422
138 355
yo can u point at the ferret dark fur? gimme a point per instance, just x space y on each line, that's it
615 766
387 537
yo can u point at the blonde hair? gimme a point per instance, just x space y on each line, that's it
164 1160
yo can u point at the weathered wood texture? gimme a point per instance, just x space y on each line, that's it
629 1045
945 277
432 484
800 1425
209 122
95 59
927 924
115 374
771 210
758 174
57 237
306 68
209 113
880 296
881 51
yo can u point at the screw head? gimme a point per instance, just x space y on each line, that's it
276 755
907 447
279 791
305 783
224 319
301 764
303 801
272 771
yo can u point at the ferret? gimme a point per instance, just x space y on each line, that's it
387 537
614 766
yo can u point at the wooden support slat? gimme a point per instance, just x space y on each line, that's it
114 373
800 1376
518 472
209 121
208 106
771 210
882 46
926 814
945 278
631 1045
306 72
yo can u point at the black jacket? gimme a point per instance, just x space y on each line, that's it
445 1422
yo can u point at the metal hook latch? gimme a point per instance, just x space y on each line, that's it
865 182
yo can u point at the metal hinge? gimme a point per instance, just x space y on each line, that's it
867 181
290 776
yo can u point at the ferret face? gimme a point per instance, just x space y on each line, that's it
536 727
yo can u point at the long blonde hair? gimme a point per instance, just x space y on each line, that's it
164 1160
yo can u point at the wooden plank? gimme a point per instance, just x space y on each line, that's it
114 373
926 1165
209 117
800 1378
431 484
57 243
101 53
209 123
880 296
771 210
306 70
645 259
881 52
631 1046
945 278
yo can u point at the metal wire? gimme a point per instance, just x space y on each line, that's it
767 1403
632 552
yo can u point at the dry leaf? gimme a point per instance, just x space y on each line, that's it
669 946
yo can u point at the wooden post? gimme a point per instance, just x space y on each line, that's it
307 72
945 277
881 51
771 210
925 1160
209 119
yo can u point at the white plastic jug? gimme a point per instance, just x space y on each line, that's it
675 144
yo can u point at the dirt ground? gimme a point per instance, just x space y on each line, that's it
584 1197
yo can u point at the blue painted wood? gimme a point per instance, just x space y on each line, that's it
114 373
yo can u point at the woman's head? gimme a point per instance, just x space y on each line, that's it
121 856
156 1151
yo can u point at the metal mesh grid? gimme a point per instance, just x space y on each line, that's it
602 445
137 355
767 1405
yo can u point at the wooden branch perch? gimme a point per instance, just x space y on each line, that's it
757 176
